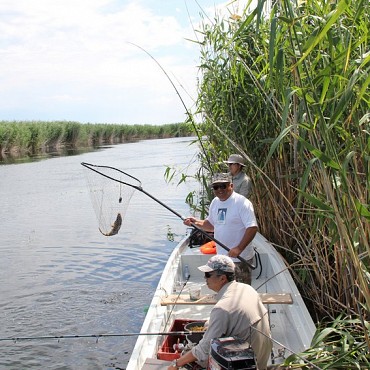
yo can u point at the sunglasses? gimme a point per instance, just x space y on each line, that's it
207 275
221 186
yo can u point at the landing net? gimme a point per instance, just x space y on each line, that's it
110 192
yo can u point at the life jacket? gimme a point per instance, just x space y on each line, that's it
208 248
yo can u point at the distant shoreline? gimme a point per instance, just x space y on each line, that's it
29 139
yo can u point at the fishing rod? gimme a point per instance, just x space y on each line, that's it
96 336
111 175
189 114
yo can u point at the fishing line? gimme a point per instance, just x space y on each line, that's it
120 193
278 273
190 116
177 298
285 347
96 336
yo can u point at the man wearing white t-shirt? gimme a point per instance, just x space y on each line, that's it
231 217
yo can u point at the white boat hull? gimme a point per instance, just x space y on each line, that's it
292 328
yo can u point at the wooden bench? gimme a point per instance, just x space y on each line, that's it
267 298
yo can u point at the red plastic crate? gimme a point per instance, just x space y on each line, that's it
166 352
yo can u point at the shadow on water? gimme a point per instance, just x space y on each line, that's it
18 157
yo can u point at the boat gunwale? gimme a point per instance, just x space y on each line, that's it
163 288
297 311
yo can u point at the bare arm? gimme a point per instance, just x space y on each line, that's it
203 224
183 360
248 236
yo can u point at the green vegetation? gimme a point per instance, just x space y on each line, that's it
290 92
30 137
340 345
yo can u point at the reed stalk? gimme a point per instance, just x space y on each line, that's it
289 90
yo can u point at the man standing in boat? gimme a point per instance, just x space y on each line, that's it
231 217
241 182
238 312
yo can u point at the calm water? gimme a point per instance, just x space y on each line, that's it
60 276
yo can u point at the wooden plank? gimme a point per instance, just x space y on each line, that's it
276 298
154 364
267 298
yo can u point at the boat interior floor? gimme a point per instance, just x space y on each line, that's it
155 364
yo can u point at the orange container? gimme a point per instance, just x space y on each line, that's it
166 352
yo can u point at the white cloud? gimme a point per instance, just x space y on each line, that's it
74 60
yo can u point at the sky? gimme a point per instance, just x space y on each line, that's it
87 60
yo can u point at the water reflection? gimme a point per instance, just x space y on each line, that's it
14 158
60 276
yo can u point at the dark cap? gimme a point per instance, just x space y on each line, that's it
221 177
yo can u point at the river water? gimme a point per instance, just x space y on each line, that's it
60 276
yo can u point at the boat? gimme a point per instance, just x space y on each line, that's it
171 308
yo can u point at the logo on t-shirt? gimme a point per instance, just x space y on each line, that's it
221 216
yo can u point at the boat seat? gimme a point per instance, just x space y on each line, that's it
267 298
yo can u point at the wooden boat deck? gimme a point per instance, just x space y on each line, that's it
267 298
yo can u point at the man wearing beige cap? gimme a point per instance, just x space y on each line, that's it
238 312
242 182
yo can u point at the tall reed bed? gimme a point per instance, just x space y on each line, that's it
32 137
290 92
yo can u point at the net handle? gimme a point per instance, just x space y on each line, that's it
94 167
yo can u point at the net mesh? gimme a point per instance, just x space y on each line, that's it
111 191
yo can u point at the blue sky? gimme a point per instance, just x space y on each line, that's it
73 59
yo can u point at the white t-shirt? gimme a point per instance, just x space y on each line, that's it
230 219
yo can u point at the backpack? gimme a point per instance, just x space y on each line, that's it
197 238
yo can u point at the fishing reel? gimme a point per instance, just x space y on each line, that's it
178 347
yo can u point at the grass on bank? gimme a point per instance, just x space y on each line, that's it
31 137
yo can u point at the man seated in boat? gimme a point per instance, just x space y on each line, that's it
238 312
231 217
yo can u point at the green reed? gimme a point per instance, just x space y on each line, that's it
31 137
339 345
290 92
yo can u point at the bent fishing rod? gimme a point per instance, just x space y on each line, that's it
99 168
